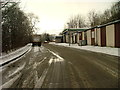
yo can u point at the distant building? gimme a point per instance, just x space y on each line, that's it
58 39
52 37
74 35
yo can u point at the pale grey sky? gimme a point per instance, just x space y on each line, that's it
54 14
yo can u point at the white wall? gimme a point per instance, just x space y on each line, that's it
98 37
89 37
78 38
67 38
110 35
63 38
83 36
73 38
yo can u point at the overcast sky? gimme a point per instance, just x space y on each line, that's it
54 14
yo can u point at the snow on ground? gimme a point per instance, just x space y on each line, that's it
106 50
14 54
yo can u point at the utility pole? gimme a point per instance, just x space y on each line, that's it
69 33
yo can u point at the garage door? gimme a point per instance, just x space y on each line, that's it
103 36
117 35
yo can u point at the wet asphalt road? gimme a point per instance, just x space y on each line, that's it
52 66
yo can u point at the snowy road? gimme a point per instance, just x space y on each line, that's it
105 50
52 66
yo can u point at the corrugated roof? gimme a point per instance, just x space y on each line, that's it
116 21
86 29
74 29
91 28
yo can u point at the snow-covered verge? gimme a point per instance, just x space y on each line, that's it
106 50
14 54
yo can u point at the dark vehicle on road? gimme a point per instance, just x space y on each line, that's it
36 40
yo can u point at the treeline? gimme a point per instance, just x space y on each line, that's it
94 18
47 37
17 28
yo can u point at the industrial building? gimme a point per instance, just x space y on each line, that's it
102 35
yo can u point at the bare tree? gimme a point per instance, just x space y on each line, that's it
34 20
115 11
94 18
80 21
105 17
111 14
77 21
6 3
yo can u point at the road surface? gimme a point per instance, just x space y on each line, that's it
52 66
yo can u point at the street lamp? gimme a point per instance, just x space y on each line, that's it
69 33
